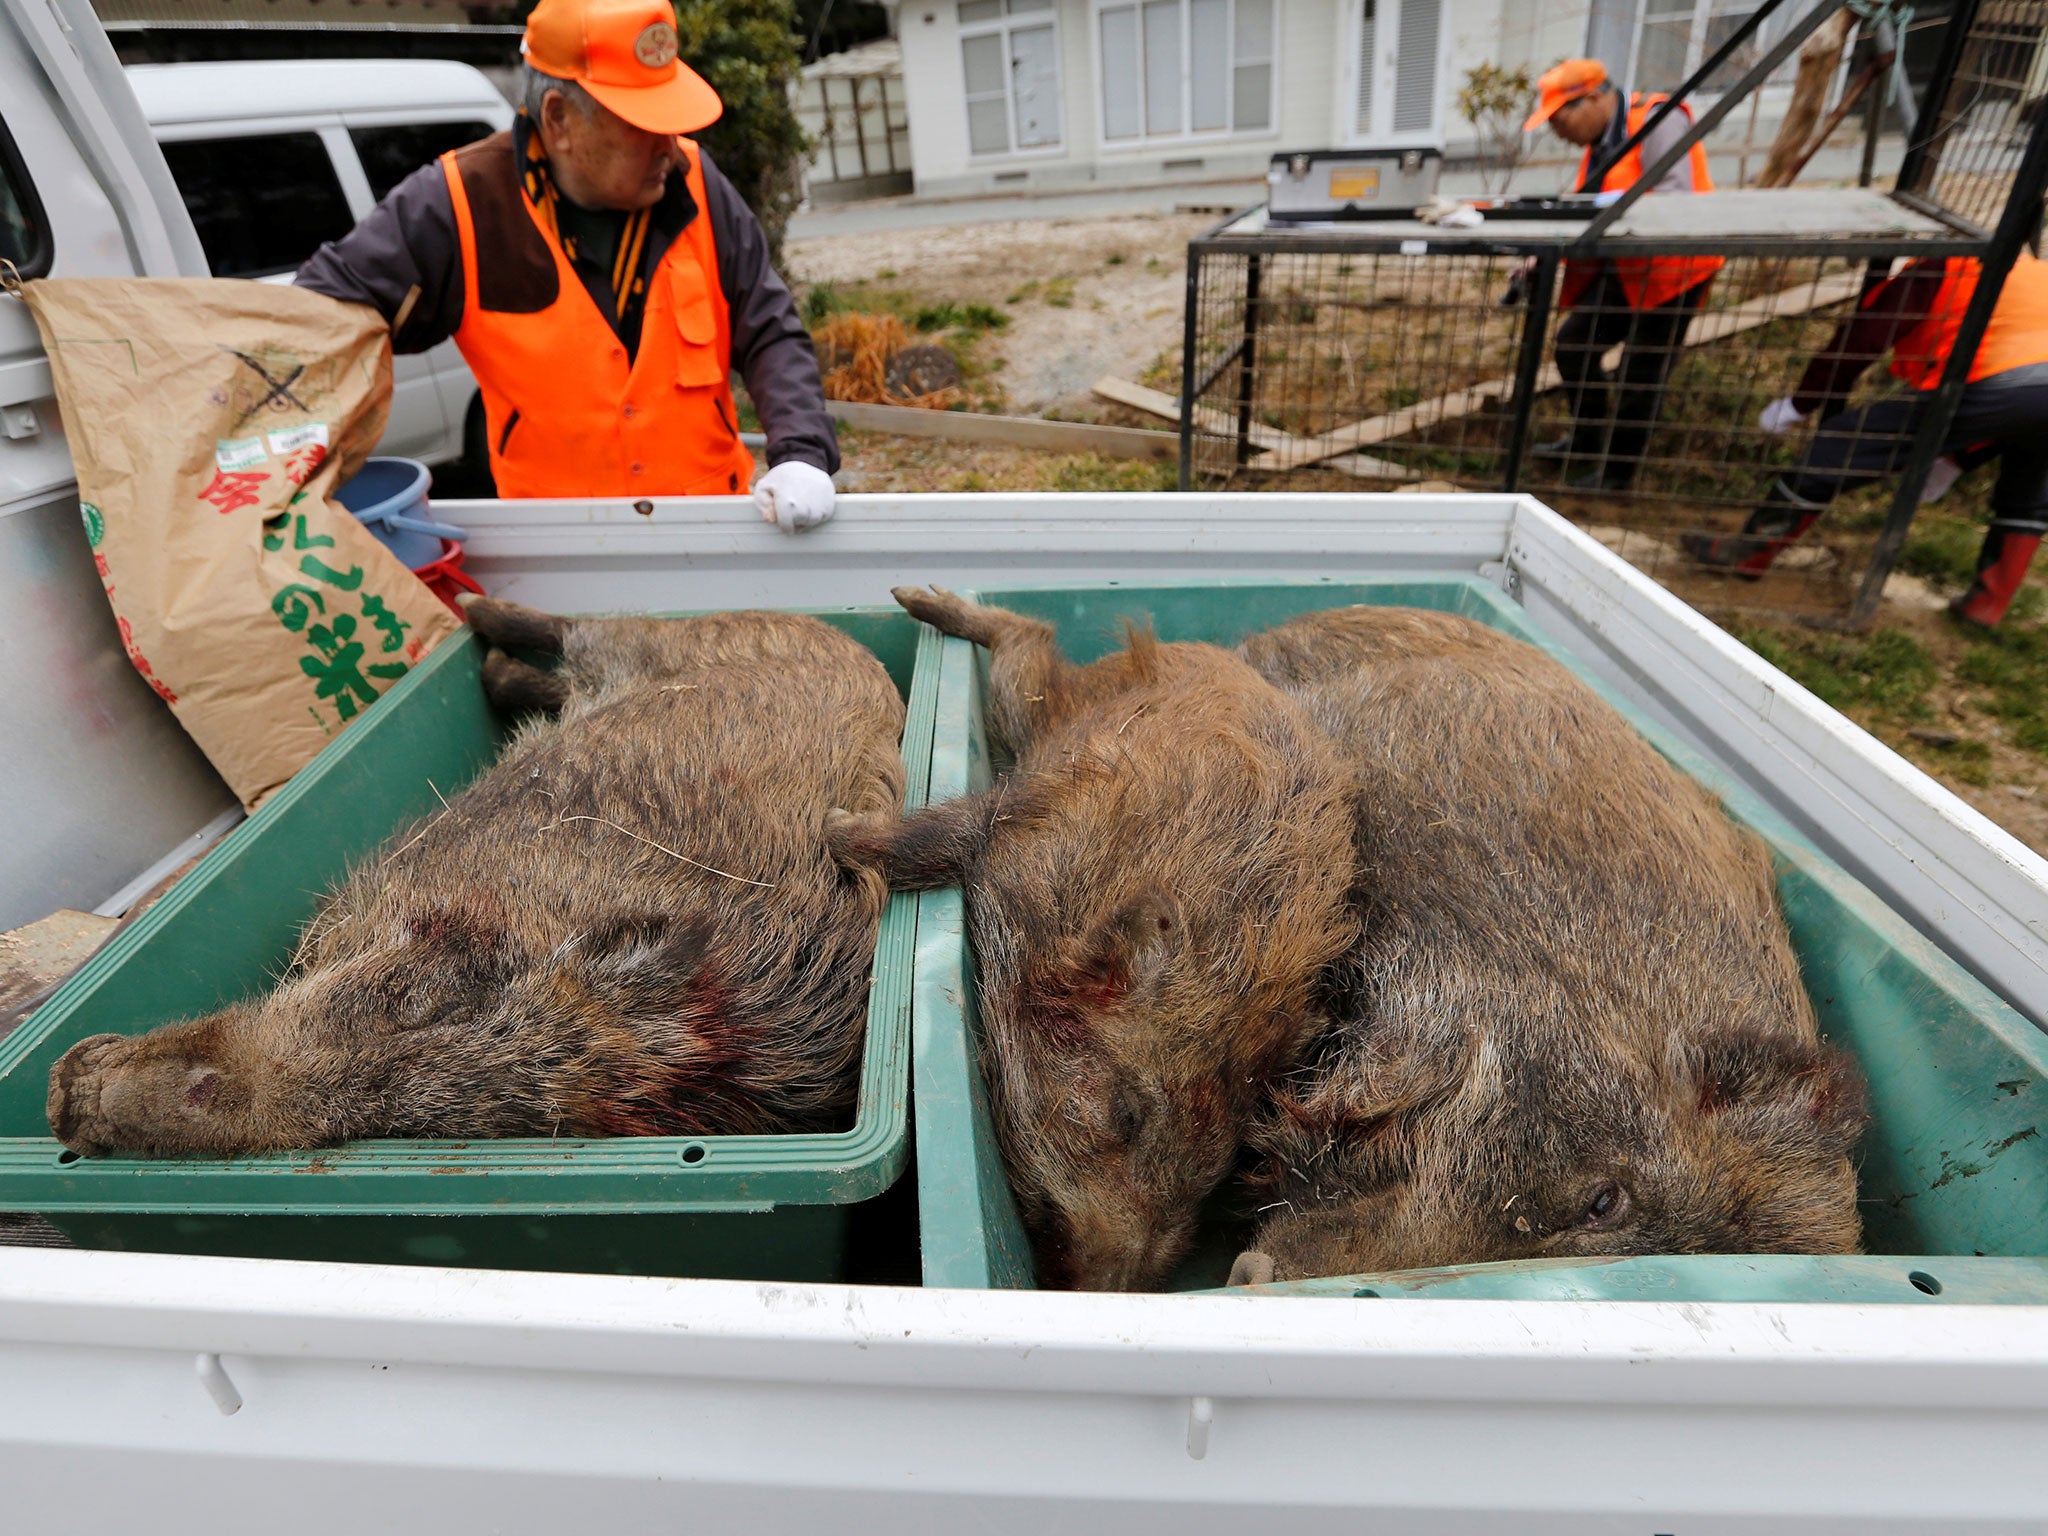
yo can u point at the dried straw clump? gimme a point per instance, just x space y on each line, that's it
855 350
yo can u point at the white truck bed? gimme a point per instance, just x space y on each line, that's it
457 1401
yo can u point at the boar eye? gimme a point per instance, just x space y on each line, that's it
1608 1204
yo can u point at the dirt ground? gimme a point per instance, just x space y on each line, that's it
1085 298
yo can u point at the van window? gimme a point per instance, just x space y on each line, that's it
262 204
389 155
24 237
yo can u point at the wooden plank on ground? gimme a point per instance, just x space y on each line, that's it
1220 423
1018 431
1717 325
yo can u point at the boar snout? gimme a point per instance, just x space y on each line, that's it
1253 1268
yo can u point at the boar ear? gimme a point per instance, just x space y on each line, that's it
935 847
1135 940
1815 1086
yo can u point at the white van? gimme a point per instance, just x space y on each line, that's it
273 158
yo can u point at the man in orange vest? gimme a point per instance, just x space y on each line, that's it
1915 315
602 280
1645 304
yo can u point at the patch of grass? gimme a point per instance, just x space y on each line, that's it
1887 671
1028 291
1059 293
1942 549
1092 472
1969 761
948 316
885 274
1116 259
2011 664
1154 264
824 300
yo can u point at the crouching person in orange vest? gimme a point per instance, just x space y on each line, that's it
1915 315
1645 304
602 279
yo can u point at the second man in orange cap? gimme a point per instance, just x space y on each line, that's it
602 280
1645 304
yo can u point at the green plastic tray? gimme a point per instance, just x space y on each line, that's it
1955 1165
769 1207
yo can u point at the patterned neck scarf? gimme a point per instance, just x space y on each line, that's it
580 231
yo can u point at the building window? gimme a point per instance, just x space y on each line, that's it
1009 53
1171 68
1675 37
1398 44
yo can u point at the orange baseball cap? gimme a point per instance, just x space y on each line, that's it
624 53
1567 82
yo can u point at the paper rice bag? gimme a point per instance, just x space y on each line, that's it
210 421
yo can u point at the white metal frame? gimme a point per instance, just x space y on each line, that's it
1346 130
1002 26
224 1396
1147 140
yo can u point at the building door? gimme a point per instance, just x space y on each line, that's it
1035 86
1010 60
1393 91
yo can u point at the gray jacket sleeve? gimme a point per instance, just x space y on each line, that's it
1657 141
770 346
405 242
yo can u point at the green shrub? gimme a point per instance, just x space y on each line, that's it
747 50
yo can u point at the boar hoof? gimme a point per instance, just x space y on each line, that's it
514 626
73 1104
514 688
945 611
1253 1268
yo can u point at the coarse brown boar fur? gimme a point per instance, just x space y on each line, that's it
630 925
1574 1023
1152 896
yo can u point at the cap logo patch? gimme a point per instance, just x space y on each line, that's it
655 47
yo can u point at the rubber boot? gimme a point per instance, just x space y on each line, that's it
2001 567
1773 527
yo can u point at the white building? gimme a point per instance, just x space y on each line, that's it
1017 94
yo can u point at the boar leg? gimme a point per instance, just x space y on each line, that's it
1025 670
939 844
514 688
512 627
189 1088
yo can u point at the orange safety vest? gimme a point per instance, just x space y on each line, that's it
568 415
2016 336
1647 280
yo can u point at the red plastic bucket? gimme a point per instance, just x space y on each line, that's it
446 576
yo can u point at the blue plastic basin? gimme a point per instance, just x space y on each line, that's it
389 497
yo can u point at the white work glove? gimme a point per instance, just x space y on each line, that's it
1780 417
1944 473
794 495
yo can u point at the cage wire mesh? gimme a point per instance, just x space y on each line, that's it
1347 362
1976 134
1374 370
